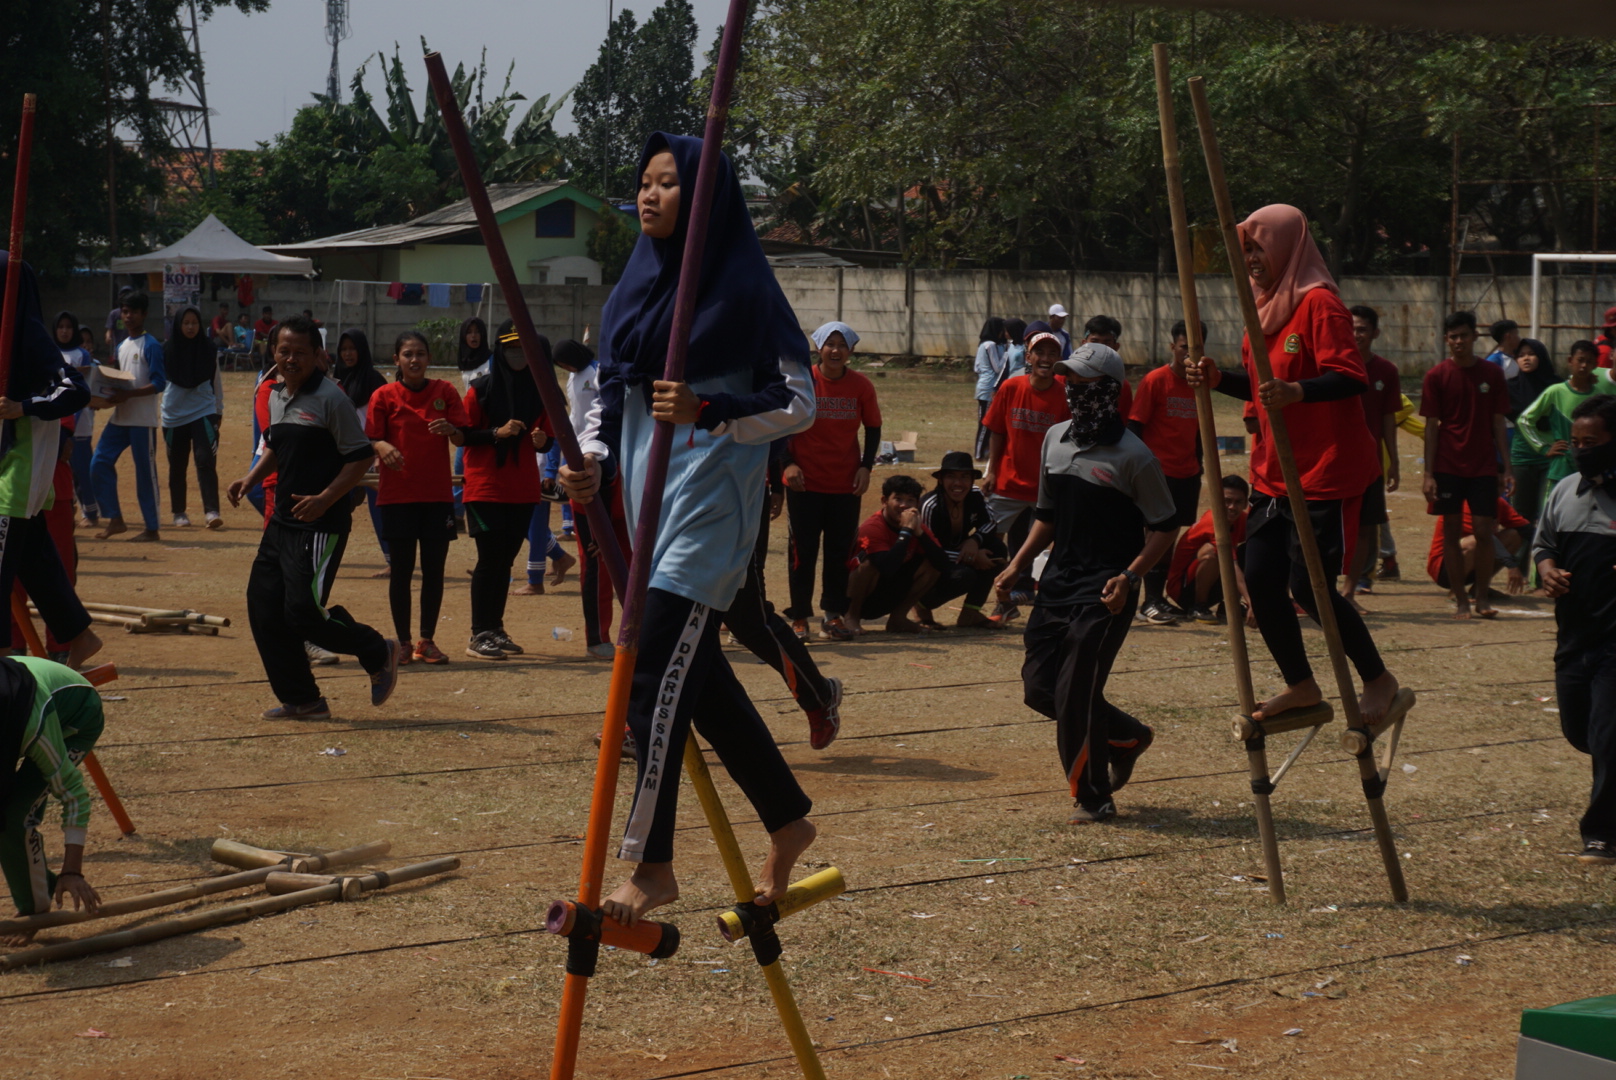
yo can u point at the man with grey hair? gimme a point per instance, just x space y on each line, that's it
1094 470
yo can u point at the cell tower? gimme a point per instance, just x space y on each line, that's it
336 29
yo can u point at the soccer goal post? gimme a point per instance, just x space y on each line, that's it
1537 285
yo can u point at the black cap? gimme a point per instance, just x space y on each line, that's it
572 355
1037 326
957 461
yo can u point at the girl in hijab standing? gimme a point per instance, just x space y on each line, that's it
190 415
355 371
1317 376
991 370
1534 374
70 339
507 426
747 384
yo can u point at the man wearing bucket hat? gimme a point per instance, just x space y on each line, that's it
1094 470
956 514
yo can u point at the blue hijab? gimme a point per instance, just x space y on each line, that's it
741 315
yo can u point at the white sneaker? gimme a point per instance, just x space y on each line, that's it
181 521
214 521
320 656
603 651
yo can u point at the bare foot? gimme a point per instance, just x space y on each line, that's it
786 845
113 527
899 624
1300 696
146 536
16 941
384 573
529 589
650 886
81 648
1488 612
975 617
559 567
1461 608
1377 698
1352 598
852 624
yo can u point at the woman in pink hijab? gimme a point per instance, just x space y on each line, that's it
1317 377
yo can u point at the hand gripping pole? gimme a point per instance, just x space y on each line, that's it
1322 584
1256 750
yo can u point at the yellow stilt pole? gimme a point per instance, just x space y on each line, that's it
740 880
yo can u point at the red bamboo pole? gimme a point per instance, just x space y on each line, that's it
580 960
538 365
19 215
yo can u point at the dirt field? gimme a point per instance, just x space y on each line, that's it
1141 948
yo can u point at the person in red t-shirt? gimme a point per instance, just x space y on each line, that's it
1380 404
265 323
826 476
896 560
1607 338
1464 401
1193 582
1163 415
220 331
1317 374
506 424
411 424
1024 408
1509 548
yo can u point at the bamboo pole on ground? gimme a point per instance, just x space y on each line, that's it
1256 749
178 894
1323 585
207 920
765 942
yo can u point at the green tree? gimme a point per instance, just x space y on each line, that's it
640 83
93 64
610 243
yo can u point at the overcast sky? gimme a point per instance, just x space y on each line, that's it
262 68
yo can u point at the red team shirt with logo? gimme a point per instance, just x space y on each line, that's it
1464 401
1165 406
1505 514
1332 447
1203 532
1022 415
400 416
829 452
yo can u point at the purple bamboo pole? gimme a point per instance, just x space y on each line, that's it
555 404
684 310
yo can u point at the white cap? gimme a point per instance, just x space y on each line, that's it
1091 359
1056 309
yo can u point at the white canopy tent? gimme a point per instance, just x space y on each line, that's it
213 249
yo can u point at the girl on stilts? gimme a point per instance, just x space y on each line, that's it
746 384
1317 376
411 424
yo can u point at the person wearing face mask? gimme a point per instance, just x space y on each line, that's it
506 426
1317 375
1575 553
189 412
1093 469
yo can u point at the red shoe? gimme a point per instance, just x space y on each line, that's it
824 724
428 653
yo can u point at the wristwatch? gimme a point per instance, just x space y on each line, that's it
1133 579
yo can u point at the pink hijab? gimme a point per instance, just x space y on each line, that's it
1295 266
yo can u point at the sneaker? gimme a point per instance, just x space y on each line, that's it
484 647
1155 613
824 723
212 520
428 653
506 645
406 657
319 656
181 521
1597 853
1365 585
603 651
382 682
834 629
1086 815
1003 613
1021 596
1389 570
1203 615
314 710
800 628
1124 758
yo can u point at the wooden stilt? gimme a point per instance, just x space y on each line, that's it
1323 584
1234 614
